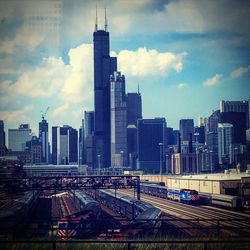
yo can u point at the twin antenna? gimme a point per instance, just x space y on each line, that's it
96 20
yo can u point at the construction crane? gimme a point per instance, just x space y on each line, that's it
43 114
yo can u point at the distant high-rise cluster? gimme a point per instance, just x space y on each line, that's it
115 136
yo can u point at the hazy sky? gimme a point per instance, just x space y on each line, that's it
186 55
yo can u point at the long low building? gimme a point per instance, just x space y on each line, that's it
54 170
229 183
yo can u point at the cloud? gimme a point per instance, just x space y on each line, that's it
18 115
182 86
71 82
237 73
144 62
61 109
213 81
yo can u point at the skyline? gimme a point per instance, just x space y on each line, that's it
47 67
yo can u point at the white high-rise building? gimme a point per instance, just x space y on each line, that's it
225 142
118 114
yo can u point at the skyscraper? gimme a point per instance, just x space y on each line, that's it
64 145
238 120
43 137
2 134
17 138
186 128
104 66
72 146
118 111
134 108
225 141
151 144
236 106
89 123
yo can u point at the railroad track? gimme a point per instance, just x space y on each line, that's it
185 211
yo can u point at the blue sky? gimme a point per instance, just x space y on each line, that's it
186 56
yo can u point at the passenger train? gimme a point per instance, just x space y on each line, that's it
189 196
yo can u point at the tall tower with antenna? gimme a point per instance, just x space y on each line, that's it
104 66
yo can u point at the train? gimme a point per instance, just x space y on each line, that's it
83 224
221 200
13 218
183 195
144 216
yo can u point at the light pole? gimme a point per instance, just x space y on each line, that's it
99 164
121 152
235 156
211 160
160 145
196 140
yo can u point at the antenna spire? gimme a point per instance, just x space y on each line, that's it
138 86
106 21
96 18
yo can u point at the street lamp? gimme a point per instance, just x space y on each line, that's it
99 164
161 145
211 160
196 139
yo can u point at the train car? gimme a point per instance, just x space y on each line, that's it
85 223
226 201
183 195
13 218
154 189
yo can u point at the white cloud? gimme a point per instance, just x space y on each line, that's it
240 72
213 81
144 62
72 82
182 86
18 115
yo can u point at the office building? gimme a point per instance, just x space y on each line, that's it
186 127
118 109
44 137
200 131
225 142
236 106
89 120
151 144
17 138
132 145
183 163
134 108
2 134
213 121
64 145
104 66
170 137
72 146
238 120
212 147
35 148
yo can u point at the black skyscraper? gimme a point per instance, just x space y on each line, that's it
134 108
150 133
44 139
2 134
104 66
238 120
